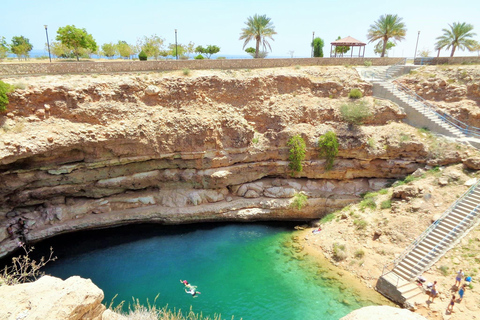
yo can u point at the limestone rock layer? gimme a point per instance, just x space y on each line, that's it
79 152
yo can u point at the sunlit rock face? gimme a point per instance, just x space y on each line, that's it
79 152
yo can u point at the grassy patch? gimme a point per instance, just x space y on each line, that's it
444 270
387 204
328 217
300 200
359 254
355 113
339 253
360 224
368 203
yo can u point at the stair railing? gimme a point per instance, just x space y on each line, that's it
463 127
427 231
440 252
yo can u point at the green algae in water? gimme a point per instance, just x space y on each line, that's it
248 271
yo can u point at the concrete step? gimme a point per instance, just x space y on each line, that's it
463 209
405 273
438 237
413 293
415 265
470 202
409 287
475 197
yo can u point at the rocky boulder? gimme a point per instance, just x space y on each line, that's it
52 298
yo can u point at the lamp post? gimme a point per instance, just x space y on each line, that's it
48 44
415 55
313 38
176 46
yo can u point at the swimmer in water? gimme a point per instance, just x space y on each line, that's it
193 292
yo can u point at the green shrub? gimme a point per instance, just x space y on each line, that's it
328 217
186 71
387 204
142 56
4 89
328 148
360 224
339 252
367 63
355 94
199 57
359 254
444 270
221 58
355 113
297 153
383 191
299 200
368 203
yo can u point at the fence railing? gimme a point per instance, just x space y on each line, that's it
390 266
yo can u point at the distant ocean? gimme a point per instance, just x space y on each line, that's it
44 53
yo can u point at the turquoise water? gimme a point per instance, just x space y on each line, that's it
248 271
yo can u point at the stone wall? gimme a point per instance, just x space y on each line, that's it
447 60
140 66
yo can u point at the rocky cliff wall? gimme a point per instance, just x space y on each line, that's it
81 152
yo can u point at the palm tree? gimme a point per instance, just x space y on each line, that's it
388 26
457 36
258 28
439 45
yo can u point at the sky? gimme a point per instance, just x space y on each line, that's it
219 22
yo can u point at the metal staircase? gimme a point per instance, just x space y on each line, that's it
397 278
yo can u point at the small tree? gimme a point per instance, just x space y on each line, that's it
177 50
109 49
328 148
4 89
208 51
152 46
124 49
318 47
211 49
3 48
378 49
142 56
60 50
190 48
76 39
21 47
341 49
250 51
297 153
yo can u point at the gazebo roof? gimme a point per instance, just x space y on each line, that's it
348 41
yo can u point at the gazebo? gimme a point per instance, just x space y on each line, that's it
347 42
